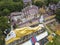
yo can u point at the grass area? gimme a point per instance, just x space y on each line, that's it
56 41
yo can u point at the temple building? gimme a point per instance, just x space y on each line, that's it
27 35
27 17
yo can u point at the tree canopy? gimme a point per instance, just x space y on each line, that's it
8 6
58 15
3 25
38 3
49 1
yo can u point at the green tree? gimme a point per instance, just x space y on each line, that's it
2 41
3 25
55 1
38 3
49 1
33 2
58 15
6 11
18 6
8 6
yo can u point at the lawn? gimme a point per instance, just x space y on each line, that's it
56 41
